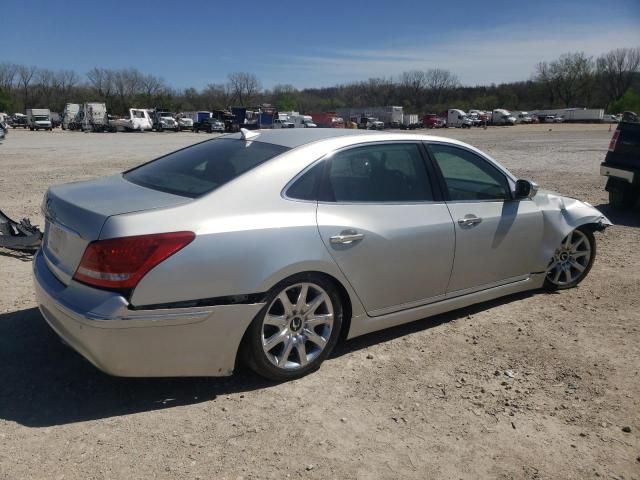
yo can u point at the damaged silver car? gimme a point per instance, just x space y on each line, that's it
268 246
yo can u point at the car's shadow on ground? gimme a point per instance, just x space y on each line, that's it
627 218
45 383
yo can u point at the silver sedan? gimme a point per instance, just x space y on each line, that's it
270 246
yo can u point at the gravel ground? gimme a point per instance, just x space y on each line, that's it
532 386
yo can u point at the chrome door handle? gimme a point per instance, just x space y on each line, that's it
469 220
346 238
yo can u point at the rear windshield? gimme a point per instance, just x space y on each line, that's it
201 168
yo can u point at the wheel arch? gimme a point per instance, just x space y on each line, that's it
345 297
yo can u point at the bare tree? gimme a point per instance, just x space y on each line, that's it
66 79
103 81
439 82
8 72
218 96
616 70
245 87
152 85
25 76
569 76
47 83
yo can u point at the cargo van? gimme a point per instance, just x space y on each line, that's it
39 119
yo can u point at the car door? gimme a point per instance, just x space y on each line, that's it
379 218
497 237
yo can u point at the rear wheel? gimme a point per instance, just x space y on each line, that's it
572 260
296 330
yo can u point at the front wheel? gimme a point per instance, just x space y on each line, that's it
296 330
572 260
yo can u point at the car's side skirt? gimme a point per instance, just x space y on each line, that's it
364 324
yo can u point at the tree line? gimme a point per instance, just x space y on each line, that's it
610 81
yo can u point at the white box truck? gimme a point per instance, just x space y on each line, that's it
39 119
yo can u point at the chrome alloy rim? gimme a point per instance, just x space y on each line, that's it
297 326
570 260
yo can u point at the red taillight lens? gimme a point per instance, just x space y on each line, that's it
120 263
614 140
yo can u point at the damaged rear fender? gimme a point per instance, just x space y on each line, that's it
561 216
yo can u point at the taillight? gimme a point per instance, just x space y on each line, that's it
120 263
614 140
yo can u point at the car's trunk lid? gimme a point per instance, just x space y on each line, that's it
76 212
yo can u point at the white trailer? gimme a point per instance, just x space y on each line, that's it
391 116
39 119
93 117
577 115
70 120
410 121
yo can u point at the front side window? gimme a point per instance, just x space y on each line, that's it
201 168
378 173
468 176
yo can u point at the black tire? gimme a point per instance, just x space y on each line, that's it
588 232
252 351
623 197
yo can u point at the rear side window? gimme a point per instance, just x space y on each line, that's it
378 173
201 168
306 186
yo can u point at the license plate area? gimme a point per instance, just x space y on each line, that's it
56 239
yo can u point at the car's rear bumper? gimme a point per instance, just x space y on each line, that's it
199 341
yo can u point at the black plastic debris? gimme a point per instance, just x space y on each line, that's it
19 235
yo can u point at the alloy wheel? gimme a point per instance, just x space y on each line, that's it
297 326
571 260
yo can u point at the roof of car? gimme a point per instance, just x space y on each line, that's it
295 137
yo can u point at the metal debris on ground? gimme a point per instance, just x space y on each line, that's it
19 235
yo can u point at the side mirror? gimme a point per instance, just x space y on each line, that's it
525 189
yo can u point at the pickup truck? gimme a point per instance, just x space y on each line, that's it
622 163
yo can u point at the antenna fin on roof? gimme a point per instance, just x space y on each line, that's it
248 134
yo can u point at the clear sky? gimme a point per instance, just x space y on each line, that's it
311 43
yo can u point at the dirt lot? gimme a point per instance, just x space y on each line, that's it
534 386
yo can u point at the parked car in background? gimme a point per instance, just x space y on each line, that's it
18 120
56 120
184 122
368 123
209 125
549 118
558 119
172 269
611 118
621 166
524 117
